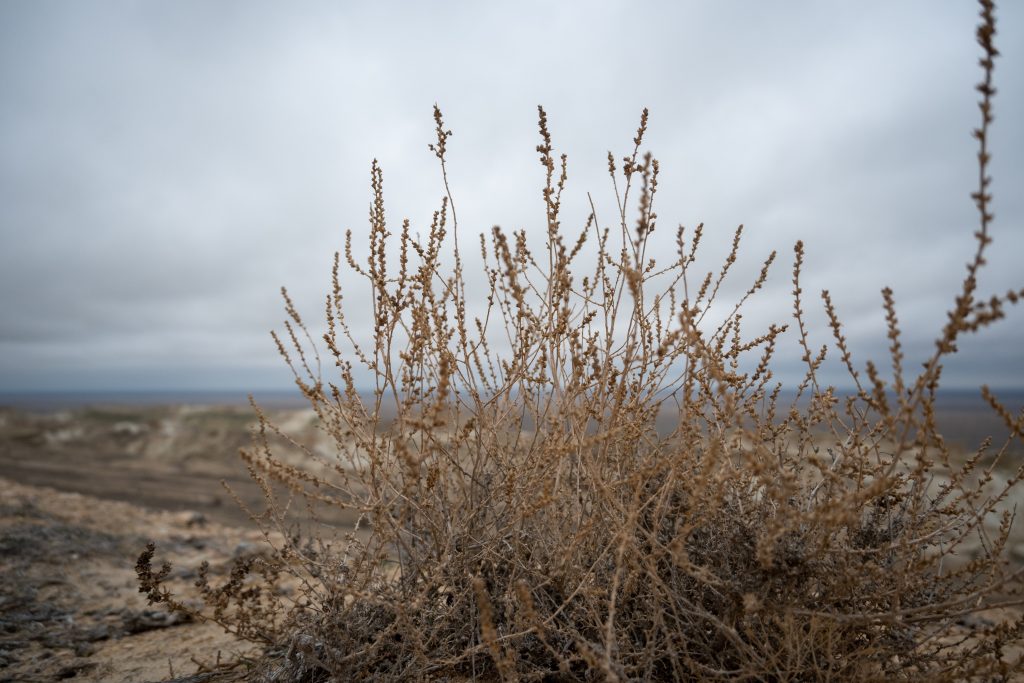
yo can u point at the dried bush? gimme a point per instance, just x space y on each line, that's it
522 517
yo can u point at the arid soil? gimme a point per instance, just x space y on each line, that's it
166 458
83 491
69 602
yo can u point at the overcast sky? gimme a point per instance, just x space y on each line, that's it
166 166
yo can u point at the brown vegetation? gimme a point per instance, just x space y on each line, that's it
527 521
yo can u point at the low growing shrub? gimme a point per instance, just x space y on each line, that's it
523 517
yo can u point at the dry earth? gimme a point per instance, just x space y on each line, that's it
83 491
69 603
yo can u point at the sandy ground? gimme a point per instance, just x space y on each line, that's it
166 458
82 492
69 602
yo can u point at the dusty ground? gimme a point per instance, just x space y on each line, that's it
82 492
166 458
69 602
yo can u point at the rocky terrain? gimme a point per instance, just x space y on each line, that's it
81 493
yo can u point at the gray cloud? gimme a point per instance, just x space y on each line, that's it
165 167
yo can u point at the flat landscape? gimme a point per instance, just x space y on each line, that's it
84 487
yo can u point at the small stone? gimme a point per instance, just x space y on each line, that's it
84 649
190 518
149 620
96 633
247 550
74 668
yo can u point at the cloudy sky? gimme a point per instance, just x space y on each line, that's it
166 166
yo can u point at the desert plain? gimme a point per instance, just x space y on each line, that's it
85 485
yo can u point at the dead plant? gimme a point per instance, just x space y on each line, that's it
522 517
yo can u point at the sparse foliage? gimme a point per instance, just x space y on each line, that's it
523 516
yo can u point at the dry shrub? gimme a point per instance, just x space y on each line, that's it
524 518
